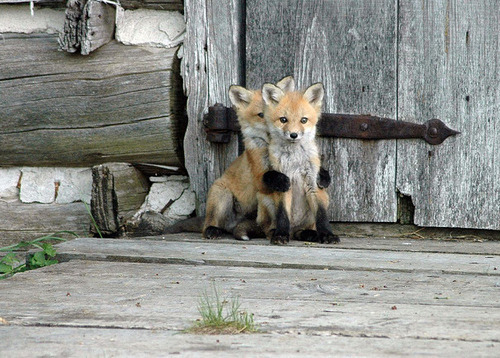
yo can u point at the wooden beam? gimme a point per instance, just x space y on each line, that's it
172 5
118 191
119 104
213 60
89 24
20 221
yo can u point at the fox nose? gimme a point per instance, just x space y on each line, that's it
293 135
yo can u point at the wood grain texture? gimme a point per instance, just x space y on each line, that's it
118 191
212 61
19 221
350 46
204 252
98 26
173 5
89 24
177 5
448 69
377 298
22 340
121 103
350 292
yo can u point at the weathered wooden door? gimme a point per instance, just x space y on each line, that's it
401 59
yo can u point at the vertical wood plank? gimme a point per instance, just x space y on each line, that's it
350 46
212 61
448 69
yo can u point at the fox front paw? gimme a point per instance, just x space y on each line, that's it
276 181
324 180
279 238
328 237
308 235
213 233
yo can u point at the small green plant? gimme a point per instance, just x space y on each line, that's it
94 224
222 316
11 264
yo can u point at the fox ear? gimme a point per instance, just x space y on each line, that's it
271 94
240 97
287 84
314 94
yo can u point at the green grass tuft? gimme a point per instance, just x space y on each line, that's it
222 316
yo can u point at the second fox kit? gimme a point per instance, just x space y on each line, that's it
291 118
232 199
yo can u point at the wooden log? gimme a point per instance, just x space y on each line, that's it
19 221
69 39
121 103
172 5
118 191
89 25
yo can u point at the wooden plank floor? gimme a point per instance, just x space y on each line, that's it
364 297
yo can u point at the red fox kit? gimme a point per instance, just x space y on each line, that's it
232 199
291 118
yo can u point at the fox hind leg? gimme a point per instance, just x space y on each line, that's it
219 212
325 234
247 228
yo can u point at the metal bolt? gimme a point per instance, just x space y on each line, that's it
363 126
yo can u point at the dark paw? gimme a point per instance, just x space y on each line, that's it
276 181
279 239
308 235
327 237
324 180
213 233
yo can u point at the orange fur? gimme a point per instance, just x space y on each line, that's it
292 119
233 197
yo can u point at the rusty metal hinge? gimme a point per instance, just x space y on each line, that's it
221 121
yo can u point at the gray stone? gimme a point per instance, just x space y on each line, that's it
9 180
17 18
150 27
60 185
170 196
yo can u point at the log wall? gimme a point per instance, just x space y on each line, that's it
121 103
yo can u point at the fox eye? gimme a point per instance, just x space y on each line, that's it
283 119
303 120
261 115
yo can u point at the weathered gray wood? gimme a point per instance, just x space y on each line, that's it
104 203
70 39
153 4
380 243
89 24
349 46
365 310
19 221
448 69
121 103
177 5
118 191
99 26
347 303
109 342
206 253
212 61
25 1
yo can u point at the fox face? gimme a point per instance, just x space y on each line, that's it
292 117
250 106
